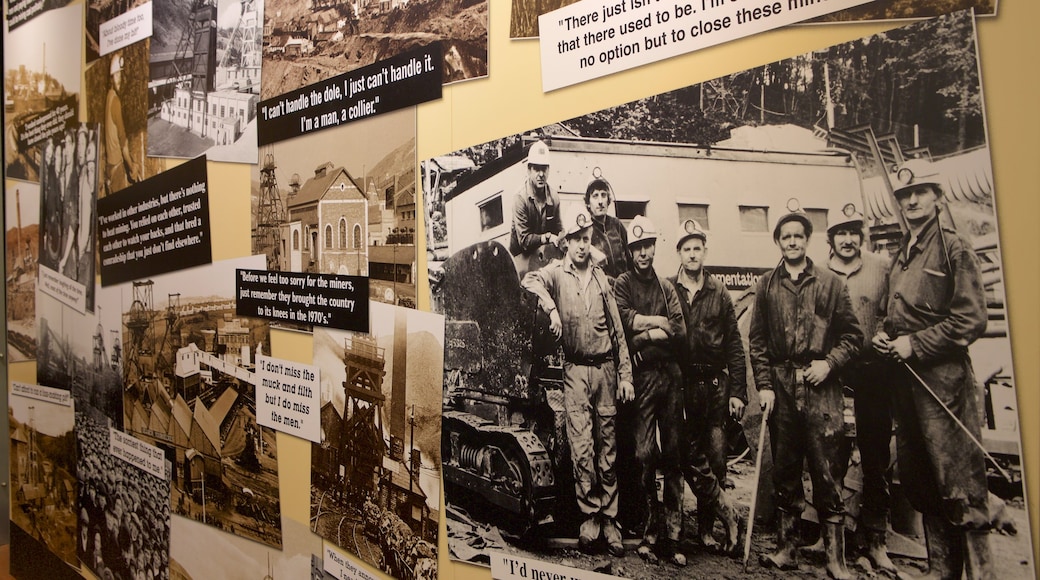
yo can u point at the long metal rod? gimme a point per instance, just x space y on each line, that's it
963 427
754 490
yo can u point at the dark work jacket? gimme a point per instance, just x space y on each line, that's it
712 337
531 221
609 236
796 323
650 295
942 306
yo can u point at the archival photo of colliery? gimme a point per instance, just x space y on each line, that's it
308 42
190 389
375 476
23 240
205 79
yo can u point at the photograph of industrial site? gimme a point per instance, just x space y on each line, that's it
375 476
190 384
22 216
349 209
204 79
308 42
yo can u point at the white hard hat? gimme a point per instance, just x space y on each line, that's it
846 217
539 154
794 213
641 229
914 173
690 229
575 219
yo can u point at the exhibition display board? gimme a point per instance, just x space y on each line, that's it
291 288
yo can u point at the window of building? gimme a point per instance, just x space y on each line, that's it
754 218
626 210
342 233
388 199
818 218
328 236
694 211
296 240
222 110
357 236
490 213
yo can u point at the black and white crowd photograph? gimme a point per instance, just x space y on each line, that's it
755 324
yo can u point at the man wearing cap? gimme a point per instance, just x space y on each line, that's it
866 277
536 219
714 381
935 308
120 168
803 333
609 237
655 329
583 315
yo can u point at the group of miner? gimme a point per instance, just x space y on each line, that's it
653 364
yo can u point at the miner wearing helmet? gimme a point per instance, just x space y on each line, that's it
120 168
536 219
609 238
803 333
934 309
597 373
655 330
714 382
866 277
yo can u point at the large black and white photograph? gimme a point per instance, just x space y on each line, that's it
375 475
189 372
204 80
124 511
68 182
809 245
22 215
350 210
43 472
308 42
41 87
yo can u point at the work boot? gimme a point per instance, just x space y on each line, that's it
612 534
945 549
786 556
877 552
834 545
588 533
728 516
979 562
705 526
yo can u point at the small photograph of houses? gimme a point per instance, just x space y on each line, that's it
308 42
349 209
190 388
43 473
375 476
204 79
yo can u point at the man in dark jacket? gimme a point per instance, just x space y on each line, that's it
609 237
714 381
936 307
803 332
654 327
536 214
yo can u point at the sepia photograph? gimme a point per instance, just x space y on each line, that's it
204 79
41 88
124 511
375 476
22 216
43 473
836 272
350 211
117 100
190 389
308 42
